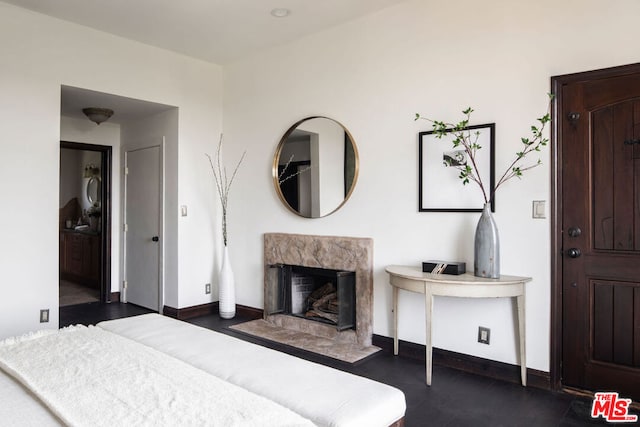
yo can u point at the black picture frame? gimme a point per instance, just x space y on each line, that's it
439 186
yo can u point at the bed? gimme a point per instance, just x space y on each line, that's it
154 370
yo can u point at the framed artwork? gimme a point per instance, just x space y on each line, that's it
439 186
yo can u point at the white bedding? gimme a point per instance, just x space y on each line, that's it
326 396
92 377
19 407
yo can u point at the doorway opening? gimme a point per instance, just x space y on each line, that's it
85 223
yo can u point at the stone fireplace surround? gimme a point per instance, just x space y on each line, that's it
331 252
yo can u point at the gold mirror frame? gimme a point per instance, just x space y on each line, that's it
276 163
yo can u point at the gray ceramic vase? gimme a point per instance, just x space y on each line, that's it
486 254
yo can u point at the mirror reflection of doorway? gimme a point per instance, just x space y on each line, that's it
83 223
295 172
296 185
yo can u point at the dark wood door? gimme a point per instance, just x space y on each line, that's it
600 185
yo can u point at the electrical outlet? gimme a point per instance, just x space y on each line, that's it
207 288
44 316
483 335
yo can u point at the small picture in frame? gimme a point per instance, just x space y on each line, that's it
454 158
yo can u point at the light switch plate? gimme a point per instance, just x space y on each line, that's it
539 209
183 210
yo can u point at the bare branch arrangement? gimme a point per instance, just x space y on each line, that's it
223 183
282 178
468 140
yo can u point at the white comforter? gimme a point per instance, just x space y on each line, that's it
92 377
326 396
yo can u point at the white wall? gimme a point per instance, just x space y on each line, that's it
373 75
38 55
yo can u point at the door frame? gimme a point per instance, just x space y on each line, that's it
106 162
558 115
161 218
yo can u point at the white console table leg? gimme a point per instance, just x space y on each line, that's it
395 321
522 337
428 299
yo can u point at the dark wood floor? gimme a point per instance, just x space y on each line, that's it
455 398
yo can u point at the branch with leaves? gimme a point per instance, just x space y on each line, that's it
465 138
223 183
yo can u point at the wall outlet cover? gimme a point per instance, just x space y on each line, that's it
484 335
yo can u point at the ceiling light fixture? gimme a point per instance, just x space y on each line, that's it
280 12
97 115
91 170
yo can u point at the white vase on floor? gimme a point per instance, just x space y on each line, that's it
226 288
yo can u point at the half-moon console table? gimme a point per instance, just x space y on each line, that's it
464 285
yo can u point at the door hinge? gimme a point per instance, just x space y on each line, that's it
124 284
126 170
125 227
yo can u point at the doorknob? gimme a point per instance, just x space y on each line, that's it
155 238
574 253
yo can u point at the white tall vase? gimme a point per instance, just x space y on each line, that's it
226 288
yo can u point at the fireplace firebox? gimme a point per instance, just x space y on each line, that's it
318 294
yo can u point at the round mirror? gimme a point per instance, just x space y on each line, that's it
94 190
315 167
